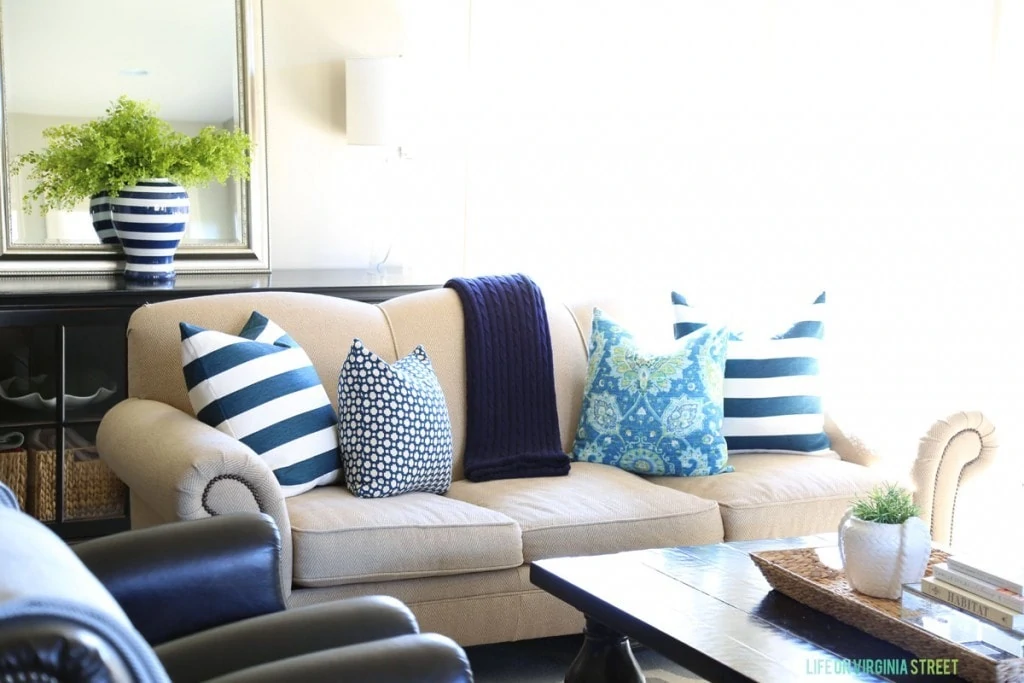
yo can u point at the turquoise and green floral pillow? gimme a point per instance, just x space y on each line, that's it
654 414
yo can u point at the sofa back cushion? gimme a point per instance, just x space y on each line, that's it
323 326
434 319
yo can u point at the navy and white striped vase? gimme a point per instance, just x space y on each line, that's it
150 220
99 210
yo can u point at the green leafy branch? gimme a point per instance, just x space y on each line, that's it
128 144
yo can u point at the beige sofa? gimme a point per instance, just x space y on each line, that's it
461 561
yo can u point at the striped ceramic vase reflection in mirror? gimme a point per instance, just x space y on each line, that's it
150 219
99 210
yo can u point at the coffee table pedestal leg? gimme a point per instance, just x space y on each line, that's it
604 658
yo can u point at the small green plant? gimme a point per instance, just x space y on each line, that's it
128 144
886 504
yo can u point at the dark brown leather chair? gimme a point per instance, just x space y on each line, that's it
192 601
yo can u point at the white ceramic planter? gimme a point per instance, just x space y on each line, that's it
879 558
149 219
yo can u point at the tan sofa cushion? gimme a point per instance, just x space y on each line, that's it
775 496
595 509
340 539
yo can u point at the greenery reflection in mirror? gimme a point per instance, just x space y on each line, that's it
197 62
137 173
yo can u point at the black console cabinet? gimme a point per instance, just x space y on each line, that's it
63 365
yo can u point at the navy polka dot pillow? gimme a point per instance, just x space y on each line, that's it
393 425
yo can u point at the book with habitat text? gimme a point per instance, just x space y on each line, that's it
968 602
959 626
984 589
999 574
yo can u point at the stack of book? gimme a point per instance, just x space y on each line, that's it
982 587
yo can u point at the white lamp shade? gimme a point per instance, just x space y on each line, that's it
375 101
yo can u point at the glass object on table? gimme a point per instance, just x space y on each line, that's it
957 626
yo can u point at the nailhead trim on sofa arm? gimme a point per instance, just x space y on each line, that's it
953 454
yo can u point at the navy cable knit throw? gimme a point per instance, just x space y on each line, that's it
512 420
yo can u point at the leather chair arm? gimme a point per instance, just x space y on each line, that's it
180 578
46 648
299 631
422 658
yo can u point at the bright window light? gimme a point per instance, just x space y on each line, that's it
751 154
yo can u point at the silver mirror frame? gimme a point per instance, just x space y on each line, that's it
251 256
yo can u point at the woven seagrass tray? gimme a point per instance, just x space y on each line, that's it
801 574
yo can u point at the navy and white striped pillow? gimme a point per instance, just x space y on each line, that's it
261 388
772 384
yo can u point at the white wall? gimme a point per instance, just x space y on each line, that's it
751 153
333 205
747 153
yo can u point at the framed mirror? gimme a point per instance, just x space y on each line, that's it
200 62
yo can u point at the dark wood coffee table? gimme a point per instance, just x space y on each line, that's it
709 609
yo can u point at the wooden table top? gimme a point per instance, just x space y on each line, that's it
710 609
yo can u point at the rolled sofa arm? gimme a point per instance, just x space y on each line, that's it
954 454
185 469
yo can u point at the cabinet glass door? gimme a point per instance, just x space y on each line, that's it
94 371
29 367
56 383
